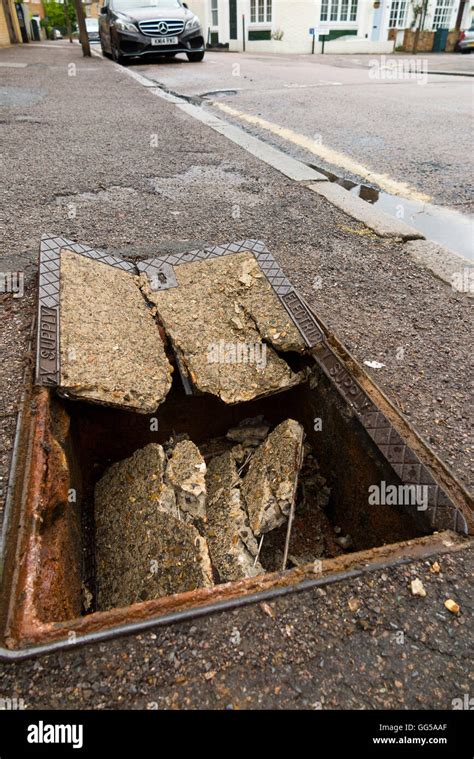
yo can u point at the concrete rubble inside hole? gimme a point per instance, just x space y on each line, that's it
228 328
250 432
111 350
269 487
143 550
185 473
167 522
232 545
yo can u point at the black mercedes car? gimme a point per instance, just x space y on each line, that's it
131 28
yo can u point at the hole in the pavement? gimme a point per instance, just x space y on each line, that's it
331 514
247 466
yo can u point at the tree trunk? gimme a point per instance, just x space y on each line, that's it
68 21
81 22
416 38
462 5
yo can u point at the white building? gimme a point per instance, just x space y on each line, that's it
349 26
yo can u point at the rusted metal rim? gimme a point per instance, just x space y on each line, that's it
133 628
11 484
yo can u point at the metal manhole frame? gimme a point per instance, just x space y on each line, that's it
358 394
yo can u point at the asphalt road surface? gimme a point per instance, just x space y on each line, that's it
410 135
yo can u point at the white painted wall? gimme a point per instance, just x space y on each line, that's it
295 17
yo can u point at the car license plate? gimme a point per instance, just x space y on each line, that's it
164 41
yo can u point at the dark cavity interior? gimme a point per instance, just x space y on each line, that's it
348 460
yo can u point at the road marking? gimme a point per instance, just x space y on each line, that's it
13 65
321 83
335 157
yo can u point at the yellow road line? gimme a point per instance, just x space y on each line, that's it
334 157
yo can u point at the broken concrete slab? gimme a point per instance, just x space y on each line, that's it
269 487
111 350
143 551
226 325
232 545
186 475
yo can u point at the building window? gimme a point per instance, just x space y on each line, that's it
214 13
442 14
260 11
338 10
398 14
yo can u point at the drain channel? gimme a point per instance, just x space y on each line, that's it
446 226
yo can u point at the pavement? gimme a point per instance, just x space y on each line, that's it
91 155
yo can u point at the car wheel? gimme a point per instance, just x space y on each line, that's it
116 54
103 50
465 50
195 57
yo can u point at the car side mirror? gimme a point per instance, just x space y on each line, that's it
104 10
185 5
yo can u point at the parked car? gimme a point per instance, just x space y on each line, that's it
56 34
92 27
131 28
466 41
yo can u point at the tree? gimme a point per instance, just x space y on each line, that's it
419 11
55 16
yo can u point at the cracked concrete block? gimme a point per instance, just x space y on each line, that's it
226 325
143 551
232 545
269 487
186 475
111 350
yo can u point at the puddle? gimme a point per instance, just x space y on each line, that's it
446 226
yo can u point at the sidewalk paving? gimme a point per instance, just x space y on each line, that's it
90 155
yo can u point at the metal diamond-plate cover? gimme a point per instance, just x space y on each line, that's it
47 343
292 302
